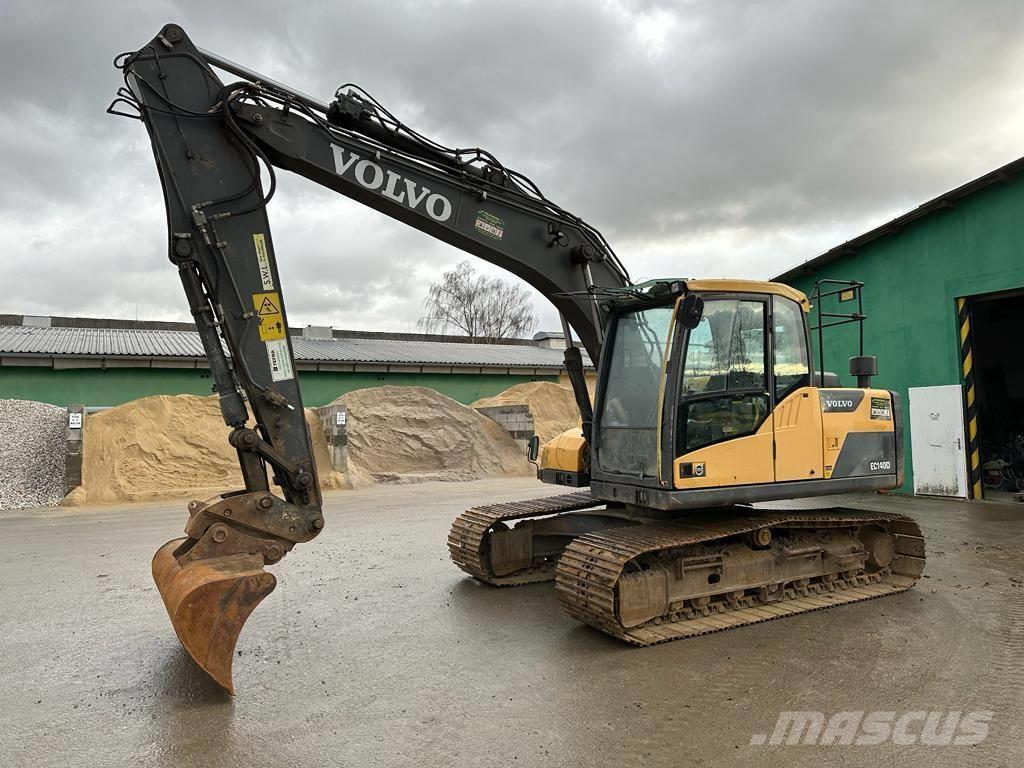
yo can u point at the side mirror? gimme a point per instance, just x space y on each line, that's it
533 449
691 311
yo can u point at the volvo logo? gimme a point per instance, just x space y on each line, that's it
392 185
839 404
842 401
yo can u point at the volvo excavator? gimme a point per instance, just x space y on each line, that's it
707 399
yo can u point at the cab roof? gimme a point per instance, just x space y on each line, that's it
717 285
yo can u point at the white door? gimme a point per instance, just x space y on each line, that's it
937 441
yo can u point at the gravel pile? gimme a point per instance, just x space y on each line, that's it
33 451
412 434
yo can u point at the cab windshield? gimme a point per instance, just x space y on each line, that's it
628 435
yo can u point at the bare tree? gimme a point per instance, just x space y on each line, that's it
477 305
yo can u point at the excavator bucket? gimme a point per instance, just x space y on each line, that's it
209 601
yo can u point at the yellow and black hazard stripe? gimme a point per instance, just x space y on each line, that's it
963 307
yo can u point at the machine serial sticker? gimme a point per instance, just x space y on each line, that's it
489 225
881 408
280 361
268 307
263 259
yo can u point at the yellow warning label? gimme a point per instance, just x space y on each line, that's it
268 307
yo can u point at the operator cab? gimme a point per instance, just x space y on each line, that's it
688 394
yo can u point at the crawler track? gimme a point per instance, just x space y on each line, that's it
468 538
591 568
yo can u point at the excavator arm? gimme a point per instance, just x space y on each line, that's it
212 142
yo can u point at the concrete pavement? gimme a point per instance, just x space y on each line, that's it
375 650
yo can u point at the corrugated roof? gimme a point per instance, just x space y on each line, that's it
63 321
105 342
894 227
125 342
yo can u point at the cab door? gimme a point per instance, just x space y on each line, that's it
723 425
796 417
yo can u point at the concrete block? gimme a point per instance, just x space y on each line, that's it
514 419
73 464
334 420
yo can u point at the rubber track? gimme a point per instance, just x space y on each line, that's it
469 531
590 567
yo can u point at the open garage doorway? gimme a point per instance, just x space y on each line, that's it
997 327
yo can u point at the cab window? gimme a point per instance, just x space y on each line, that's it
791 366
628 437
726 350
725 384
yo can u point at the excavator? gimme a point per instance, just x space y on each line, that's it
707 398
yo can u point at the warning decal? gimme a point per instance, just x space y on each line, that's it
263 259
280 360
268 307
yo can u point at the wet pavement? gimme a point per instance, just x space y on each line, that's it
375 650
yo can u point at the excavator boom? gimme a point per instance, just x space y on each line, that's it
213 142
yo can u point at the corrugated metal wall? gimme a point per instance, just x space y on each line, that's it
104 387
913 279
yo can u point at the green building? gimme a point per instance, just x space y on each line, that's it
944 300
101 363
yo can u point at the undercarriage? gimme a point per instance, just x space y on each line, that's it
646 579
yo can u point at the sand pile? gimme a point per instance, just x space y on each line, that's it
170 446
407 434
552 405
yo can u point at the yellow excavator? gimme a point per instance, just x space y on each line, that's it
707 397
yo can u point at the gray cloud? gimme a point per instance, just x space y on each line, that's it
702 137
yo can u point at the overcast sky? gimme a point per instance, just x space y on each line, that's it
703 138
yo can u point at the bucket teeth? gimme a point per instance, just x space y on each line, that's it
209 601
